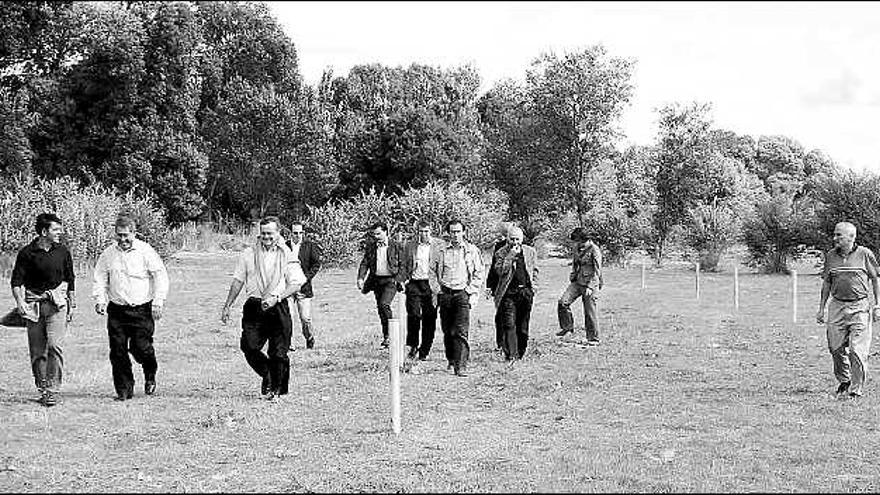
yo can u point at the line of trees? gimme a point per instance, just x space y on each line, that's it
202 105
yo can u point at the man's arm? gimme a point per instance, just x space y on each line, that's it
492 276
315 255
477 277
159 275
70 278
100 278
826 291
597 257
234 289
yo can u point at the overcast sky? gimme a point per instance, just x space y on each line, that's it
808 70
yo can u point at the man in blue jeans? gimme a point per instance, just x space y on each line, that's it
585 282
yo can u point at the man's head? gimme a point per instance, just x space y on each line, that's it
515 236
269 230
125 228
844 235
379 232
579 235
424 231
455 229
48 226
297 232
502 229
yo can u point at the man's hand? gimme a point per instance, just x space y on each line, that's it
488 293
70 308
820 316
224 315
157 311
101 308
360 284
434 299
22 308
270 301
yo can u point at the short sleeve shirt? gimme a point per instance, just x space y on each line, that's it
848 273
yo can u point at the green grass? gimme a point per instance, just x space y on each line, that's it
681 396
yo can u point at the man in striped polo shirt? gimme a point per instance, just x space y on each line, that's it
848 268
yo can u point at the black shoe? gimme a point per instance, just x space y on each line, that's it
264 387
593 342
384 344
310 343
150 387
461 371
413 352
50 399
563 332
842 388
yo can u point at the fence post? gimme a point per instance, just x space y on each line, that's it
394 360
794 293
698 280
643 274
736 287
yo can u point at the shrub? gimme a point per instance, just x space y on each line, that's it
781 231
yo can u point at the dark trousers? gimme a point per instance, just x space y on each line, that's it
514 311
499 331
384 289
130 329
275 327
454 321
420 314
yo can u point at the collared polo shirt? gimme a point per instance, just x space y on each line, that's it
848 272
246 270
39 270
454 274
130 278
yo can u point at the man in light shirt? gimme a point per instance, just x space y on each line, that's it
455 275
130 287
379 273
421 308
267 272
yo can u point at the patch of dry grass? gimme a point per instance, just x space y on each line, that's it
681 396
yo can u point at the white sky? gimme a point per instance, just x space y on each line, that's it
808 70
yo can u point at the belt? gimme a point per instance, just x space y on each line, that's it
849 300
447 290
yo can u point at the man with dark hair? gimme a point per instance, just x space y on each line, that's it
455 275
585 282
43 285
516 273
380 271
309 255
267 273
421 308
847 270
130 287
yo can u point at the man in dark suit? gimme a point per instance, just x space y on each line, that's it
492 282
380 272
421 307
309 255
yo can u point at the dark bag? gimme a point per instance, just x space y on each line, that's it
13 319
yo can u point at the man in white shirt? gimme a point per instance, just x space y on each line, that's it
130 287
267 272
421 307
380 273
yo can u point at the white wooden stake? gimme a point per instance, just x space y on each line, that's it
643 274
401 317
698 279
794 293
394 361
736 287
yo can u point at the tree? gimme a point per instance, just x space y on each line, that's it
848 196
782 230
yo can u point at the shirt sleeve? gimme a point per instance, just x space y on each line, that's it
160 277
69 273
597 256
100 279
18 270
477 277
240 272
825 267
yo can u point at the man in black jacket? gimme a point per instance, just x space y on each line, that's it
309 255
380 271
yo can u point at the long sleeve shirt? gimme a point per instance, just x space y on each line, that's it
130 278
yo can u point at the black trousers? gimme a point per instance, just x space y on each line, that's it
454 321
130 330
420 315
514 311
384 289
275 327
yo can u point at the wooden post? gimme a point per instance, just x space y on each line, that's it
736 287
643 274
394 360
794 294
401 317
698 280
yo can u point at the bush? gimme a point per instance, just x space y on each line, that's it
781 231
340 226
87 213
853 197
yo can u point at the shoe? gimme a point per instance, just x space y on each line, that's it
450 367
593 342
150 387
124 395
384 344
855 395
50 399
511 362
461 371
563 332
413 352
842 388
271 395
310 343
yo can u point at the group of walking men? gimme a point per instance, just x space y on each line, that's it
131 286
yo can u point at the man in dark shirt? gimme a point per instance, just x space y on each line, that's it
847 271
585 282
43 288
515 274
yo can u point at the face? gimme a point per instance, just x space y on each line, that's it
424 234
296 234
124 237
844 237
456 233
269 234
53 233
515 239
379 234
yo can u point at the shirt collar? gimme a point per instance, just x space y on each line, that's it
840 253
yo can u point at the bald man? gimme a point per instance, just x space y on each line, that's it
845 276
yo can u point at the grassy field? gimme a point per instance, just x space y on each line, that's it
682 395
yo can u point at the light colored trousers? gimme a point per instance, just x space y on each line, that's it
46 346
849 341
303 307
